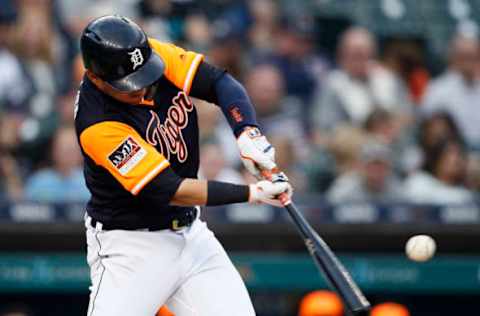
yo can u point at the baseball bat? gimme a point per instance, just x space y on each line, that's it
326 261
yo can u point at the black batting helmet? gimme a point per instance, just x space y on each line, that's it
117 50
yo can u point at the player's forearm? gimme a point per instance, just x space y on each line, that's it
193 192
235 103
214 85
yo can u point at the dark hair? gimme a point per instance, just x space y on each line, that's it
435 153
9 12
455 133
377 115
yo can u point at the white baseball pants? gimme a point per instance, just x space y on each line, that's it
133 273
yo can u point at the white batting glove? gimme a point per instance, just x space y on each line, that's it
267 192
256 152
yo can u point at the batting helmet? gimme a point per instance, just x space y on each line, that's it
116 50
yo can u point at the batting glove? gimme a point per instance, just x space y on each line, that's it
256 152
268 192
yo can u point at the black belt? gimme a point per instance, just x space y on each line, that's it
173 222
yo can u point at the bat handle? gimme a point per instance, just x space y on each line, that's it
282 197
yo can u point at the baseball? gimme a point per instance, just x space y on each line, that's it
420 248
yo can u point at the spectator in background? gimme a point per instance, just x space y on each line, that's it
432 130
442 179
436 128
11 186
358 86
473 173
404 57
277 114
63 180
214 127
320 303
197 32
373 182
288 161
164 19
65 106
14 89
345 145
457 91
265 15
297 61
13 94
231 20
227 49
295 56
382 125
155 18
213 167
338 157
77 13
35 45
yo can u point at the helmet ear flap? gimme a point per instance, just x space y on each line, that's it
95 79
96 70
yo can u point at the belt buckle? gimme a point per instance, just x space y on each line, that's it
188 219
176 225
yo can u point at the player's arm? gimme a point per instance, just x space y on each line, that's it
217 86
200 192
188 71
146 173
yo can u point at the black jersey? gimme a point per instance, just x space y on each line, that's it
136 155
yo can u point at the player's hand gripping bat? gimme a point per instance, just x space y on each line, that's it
324 258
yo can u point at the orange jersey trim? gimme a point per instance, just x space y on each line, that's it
149 176
124 153
180 65
191 73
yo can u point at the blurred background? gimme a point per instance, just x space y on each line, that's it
373 107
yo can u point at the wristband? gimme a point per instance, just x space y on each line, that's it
220 193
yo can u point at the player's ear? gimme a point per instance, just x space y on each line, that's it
97 81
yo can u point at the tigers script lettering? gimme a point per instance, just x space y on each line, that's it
168 137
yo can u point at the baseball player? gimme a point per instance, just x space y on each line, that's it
138 131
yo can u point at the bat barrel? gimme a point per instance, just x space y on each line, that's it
333 270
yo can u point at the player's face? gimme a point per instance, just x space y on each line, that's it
134 97
143 96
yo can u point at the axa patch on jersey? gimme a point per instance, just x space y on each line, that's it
127 155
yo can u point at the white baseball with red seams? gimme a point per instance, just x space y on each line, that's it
420 248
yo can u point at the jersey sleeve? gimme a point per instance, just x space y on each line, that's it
180 65
124 153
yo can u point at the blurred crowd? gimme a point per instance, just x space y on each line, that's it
368 121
